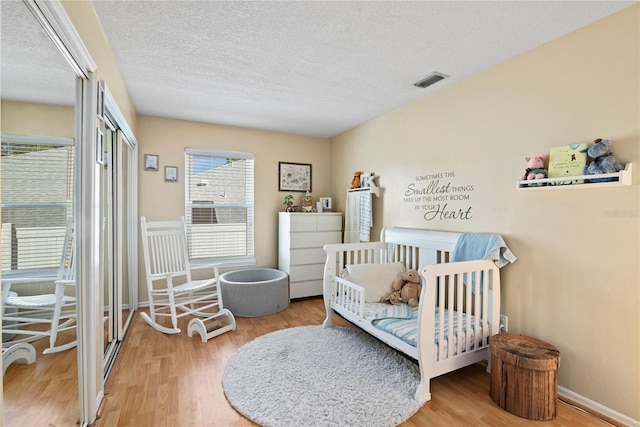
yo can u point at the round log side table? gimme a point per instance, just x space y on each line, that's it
524 376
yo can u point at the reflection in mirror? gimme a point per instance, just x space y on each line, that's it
38 134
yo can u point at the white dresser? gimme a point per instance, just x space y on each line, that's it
300 241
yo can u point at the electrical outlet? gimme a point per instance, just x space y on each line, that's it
504 323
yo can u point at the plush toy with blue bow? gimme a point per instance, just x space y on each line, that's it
603 160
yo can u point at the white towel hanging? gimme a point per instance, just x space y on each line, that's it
352 218
358 218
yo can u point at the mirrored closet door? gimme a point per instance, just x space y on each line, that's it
38 188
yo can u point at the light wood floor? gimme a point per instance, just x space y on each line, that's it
162 380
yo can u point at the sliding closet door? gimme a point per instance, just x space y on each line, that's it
126 237
120 237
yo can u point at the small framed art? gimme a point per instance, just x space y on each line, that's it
294 177
150 162
325 202
171 173
99 147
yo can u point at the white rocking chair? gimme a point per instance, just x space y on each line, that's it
23 314
172 292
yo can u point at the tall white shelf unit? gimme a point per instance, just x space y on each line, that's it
301 238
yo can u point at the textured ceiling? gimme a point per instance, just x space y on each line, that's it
32 68
313 68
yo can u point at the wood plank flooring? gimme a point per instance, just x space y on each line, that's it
162 380
44 393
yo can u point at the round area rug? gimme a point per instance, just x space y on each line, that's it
311 376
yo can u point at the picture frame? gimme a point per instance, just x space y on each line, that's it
151 162
100 96
325 202
99 147
294 177
171 173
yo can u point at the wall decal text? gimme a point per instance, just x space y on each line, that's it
438 197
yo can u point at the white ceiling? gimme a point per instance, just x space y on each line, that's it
32 68
315 68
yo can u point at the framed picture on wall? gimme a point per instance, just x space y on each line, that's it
150 162
294 176
171 173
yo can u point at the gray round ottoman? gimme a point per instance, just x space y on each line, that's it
255 292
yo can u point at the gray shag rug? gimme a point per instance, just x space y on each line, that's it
311 376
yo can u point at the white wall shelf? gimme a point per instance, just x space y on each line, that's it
624 177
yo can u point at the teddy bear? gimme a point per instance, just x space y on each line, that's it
406 290
603 160
535 169
355 183
307 203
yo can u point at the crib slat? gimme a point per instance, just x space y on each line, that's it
488 275
460 308
441 305
480 277
451 310
468 308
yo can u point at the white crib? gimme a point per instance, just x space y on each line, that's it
459 306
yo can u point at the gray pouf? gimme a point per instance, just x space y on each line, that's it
255 292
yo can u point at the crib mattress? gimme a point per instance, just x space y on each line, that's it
402 322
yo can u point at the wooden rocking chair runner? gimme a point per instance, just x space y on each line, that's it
172 291
23 315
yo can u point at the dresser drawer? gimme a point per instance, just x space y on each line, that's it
307 256
305 289
326 222
314 239
315 222
301 273
303 222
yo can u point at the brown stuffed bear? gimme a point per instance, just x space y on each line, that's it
355 182
406 290
410 292
307 203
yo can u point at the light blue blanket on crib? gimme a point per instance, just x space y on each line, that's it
401 321
472 246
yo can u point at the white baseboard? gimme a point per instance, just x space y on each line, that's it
597 408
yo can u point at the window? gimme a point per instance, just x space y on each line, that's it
219 210
37 196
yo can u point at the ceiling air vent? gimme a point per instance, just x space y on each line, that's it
430 79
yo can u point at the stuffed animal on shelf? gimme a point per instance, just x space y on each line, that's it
307 203
355 183
406 290
603 160
535 169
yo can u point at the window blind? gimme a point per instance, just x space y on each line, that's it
219 205
37 197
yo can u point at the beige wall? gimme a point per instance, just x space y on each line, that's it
23 118
576 282
159 200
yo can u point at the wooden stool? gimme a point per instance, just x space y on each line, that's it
524 376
